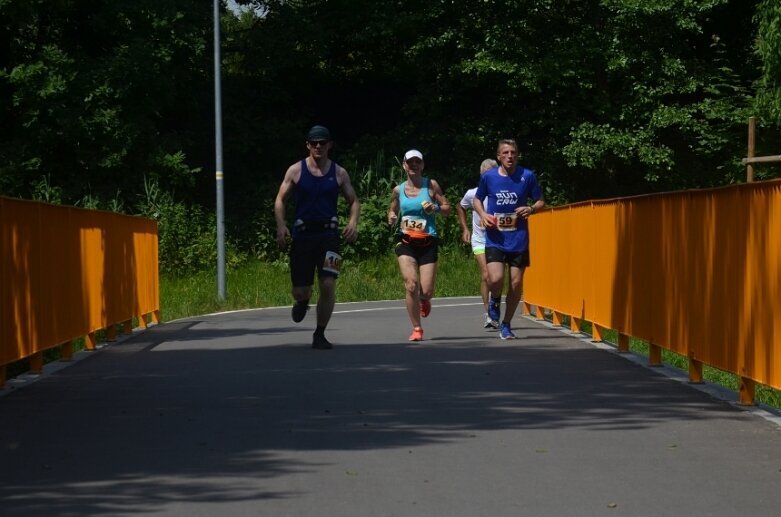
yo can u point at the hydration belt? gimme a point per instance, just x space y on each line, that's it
417 241
316 225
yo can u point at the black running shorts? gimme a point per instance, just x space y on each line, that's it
316 252
515 259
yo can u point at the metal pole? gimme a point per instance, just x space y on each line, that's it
218 157
752 131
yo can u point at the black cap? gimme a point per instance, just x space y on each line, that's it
318 133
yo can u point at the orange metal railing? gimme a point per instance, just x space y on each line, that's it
68 272
695 272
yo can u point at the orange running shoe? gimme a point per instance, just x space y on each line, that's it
425 308
417 334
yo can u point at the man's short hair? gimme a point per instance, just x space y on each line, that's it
506 141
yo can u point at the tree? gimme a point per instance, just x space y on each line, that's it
98 94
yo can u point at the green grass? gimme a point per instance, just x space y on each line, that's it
260 284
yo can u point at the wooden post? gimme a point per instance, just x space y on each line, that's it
747 391
142 321
596 333
752 128
556 319
156 316
574 324
654 355
111 333
623 343
695 371
540 313
67 351
36 362
90 341
526 308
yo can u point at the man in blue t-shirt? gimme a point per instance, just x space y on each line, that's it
506 191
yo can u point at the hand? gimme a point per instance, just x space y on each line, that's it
393 218
524 211
350 233
282 237
489 221
429 207
466 236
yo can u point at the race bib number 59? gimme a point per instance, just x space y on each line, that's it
507 222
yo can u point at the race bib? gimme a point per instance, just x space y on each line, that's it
332 262
506 222
411 223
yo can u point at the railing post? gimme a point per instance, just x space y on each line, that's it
596 333
654 355
752 128
36 362
67 351
142 321
526 308
556 319
111 333
90 341
747 391
623 343
156 316
127 327
540 313
574 324
695 371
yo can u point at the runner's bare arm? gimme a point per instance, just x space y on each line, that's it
292 176
439 196
393 210
350 232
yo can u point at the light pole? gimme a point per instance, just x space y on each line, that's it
218 157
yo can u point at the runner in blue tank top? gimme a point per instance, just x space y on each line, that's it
506 192
316 183
414 205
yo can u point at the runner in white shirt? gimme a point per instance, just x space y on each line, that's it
476 237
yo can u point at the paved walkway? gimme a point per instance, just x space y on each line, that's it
234 414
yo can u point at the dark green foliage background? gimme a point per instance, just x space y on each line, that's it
109 103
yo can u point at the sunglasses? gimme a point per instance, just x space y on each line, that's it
318 142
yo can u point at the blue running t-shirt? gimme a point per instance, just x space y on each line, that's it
501 195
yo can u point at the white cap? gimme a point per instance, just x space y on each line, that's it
413 153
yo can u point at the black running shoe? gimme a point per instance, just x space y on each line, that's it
299 311
319 342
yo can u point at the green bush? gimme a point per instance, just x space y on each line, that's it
187 240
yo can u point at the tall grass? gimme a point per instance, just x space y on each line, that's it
267 284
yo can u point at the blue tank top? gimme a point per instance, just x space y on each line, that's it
413 220
316 200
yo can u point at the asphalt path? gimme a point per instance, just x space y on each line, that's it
234 414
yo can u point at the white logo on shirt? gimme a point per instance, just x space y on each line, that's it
506 198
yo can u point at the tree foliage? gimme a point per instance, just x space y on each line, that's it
606 97
768 48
